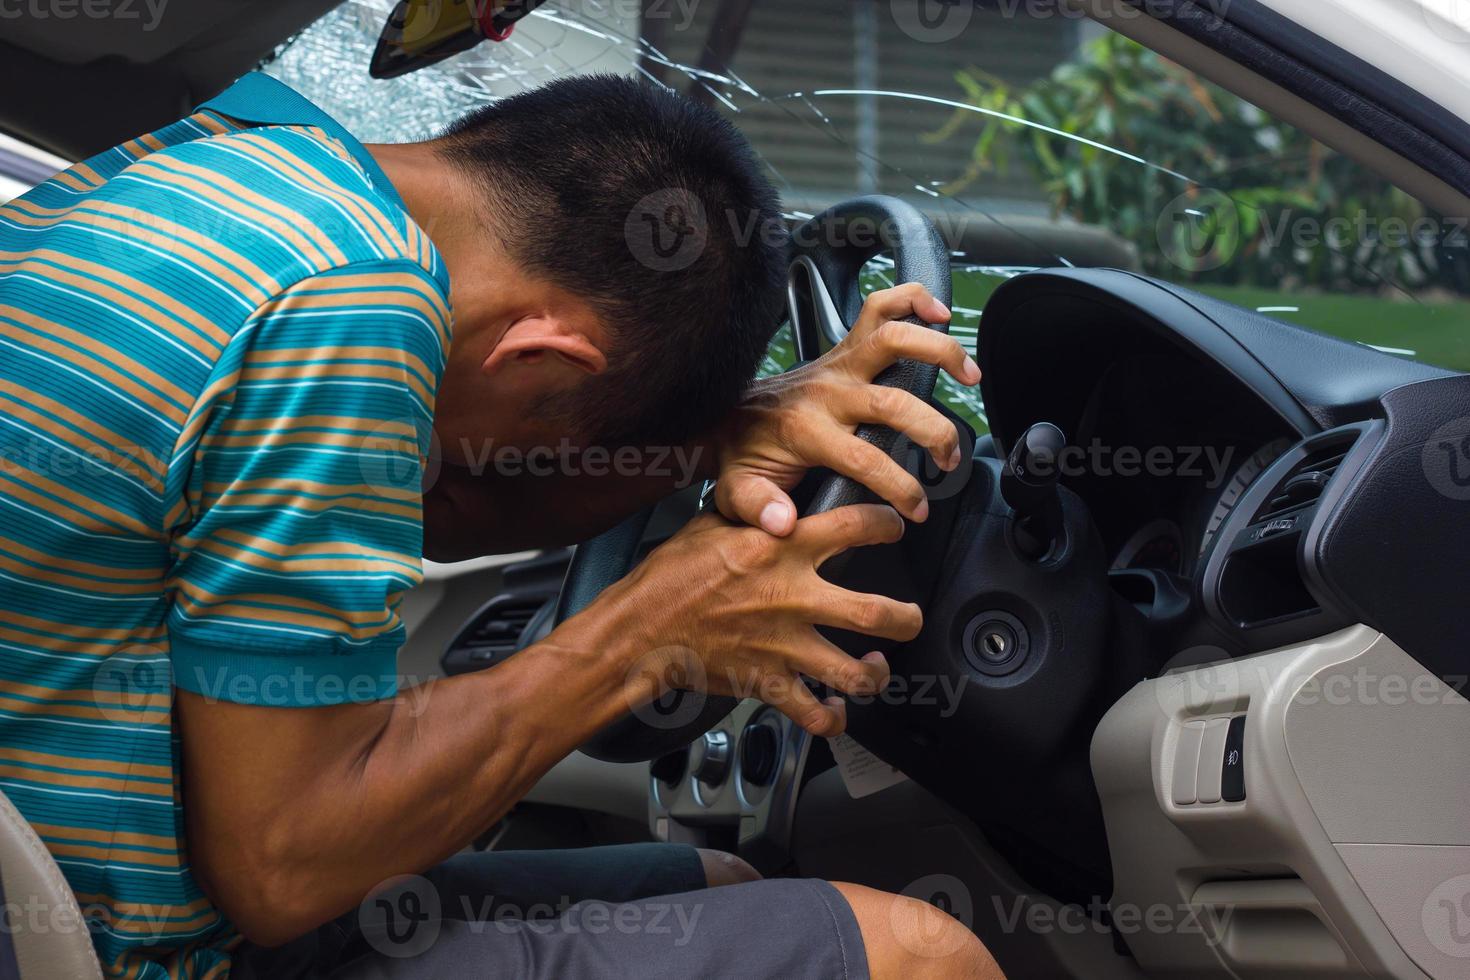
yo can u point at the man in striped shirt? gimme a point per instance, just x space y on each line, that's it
227 356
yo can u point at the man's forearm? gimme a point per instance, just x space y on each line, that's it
372 791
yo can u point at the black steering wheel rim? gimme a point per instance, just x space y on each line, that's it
829 252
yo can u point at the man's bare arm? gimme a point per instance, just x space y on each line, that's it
296 814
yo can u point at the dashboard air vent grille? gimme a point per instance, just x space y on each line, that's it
1305 484
494 633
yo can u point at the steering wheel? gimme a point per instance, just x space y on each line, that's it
829 252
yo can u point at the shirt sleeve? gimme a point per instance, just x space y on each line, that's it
301 523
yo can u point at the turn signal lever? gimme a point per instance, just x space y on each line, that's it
1028 482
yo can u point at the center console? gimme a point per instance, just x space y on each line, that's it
735 786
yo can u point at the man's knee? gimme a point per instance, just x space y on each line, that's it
723 868
905 937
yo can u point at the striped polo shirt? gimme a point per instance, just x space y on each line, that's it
219 349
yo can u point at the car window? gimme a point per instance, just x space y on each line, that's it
23 166
1034 137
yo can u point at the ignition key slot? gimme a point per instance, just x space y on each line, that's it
996 643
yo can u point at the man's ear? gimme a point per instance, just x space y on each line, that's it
532 339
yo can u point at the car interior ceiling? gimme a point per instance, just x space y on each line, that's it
92 83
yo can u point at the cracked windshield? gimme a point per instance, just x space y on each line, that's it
1032 136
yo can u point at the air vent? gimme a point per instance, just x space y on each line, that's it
1302 488
493 633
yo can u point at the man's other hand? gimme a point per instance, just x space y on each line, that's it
731 610
808 417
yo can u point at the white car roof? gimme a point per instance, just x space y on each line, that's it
1423 43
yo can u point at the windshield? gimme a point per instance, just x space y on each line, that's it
1032 136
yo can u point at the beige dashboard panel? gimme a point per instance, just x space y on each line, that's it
1350 852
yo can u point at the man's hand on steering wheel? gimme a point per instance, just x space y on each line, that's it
808 416
731 610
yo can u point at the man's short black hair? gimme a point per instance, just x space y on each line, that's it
654 209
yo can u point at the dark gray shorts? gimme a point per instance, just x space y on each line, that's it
602 912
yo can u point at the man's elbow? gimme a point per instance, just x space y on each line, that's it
261 887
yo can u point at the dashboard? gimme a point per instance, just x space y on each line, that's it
1206 438
1165 545
1164 448
1222 492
